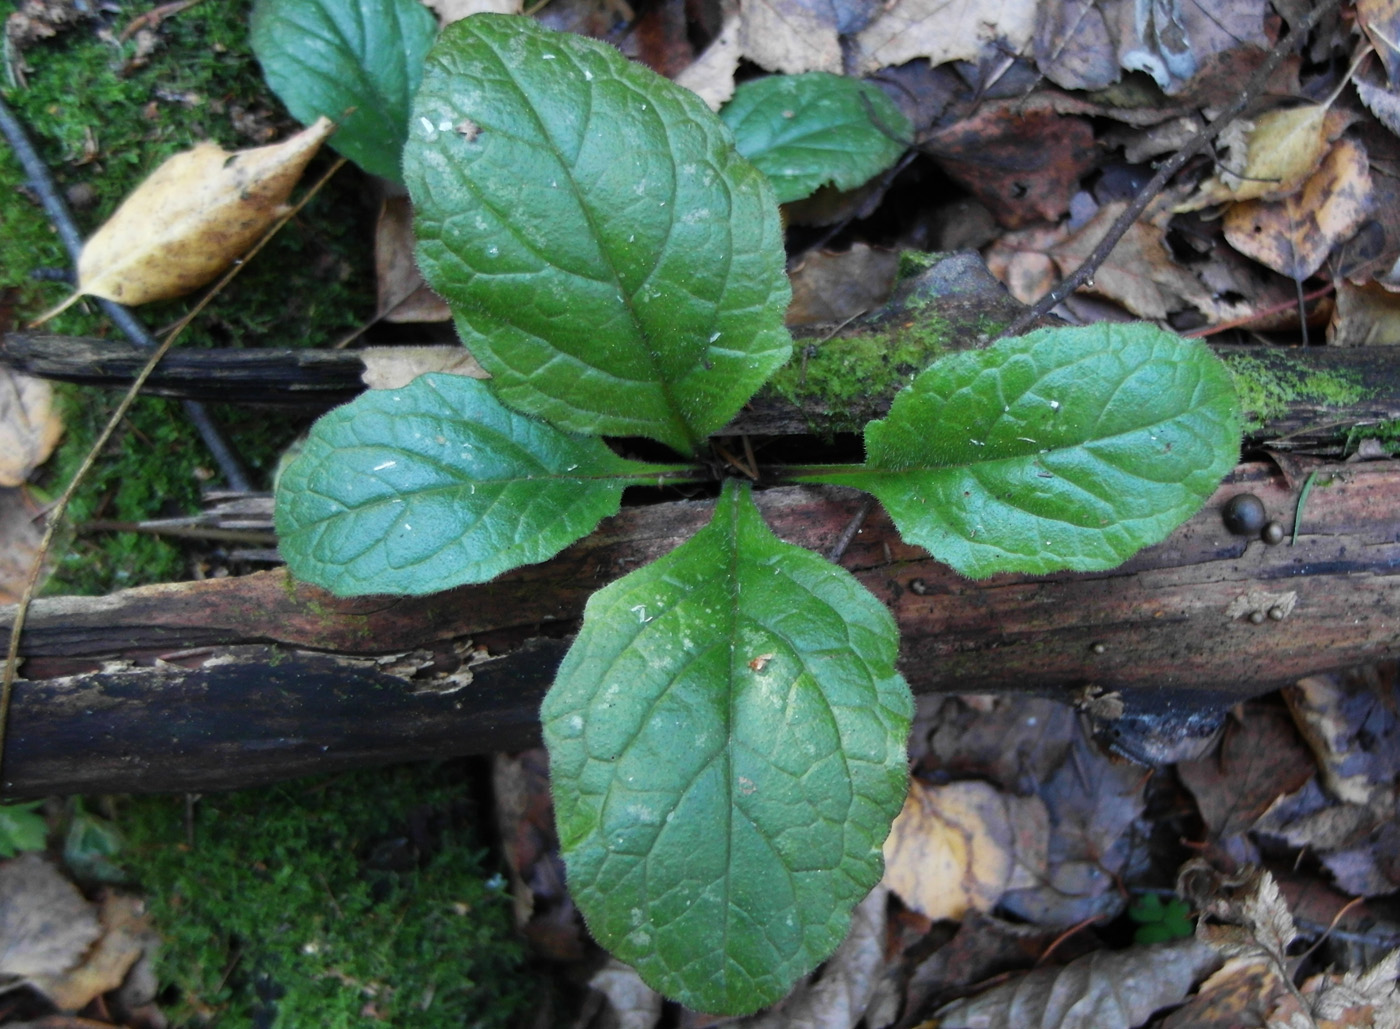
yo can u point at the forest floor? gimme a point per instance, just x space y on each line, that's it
1042 873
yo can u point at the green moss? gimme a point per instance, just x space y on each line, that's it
844 382
101 124
1387 433
1269 382
345 902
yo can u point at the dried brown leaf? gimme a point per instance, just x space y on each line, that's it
962 846
944 30
636 1005
1294 236
1381 101
1140 272
191 218
1246 991
403 295
1023 166
1073 46
1369 998
29 426
840 994
1093 804
20 532
45 924
1380 20
1364 316
126 935
1022 261
1260 759
711 75
1353 728
395 367
1102 990
448 11
831 288
792 36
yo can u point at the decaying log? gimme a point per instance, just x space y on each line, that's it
955 292
228 682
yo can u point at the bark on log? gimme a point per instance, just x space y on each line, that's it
224 683
317 380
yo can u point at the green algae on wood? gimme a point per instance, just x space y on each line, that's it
1267 383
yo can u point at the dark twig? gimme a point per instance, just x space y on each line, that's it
1170 167
43 185
843 541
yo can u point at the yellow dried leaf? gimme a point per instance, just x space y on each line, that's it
1293 236
961 846
1280 152
191 218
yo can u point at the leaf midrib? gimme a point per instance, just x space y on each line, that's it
643 333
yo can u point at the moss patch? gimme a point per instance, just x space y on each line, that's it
842 383
1268 383
102 120
352 901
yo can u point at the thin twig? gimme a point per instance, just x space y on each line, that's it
848 534
60 506
54 206
1170 167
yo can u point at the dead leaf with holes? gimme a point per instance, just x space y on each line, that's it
29 426
1024 166
1295 235
191 218
961 846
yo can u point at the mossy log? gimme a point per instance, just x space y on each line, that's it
230 682
839 378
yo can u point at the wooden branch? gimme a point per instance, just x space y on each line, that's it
228 682
319 379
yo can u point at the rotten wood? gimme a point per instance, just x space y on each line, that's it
316 380
224 683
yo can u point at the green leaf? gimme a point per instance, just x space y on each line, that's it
608 255
726 741
331 56
1063 449
805 131
21 828
437 484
